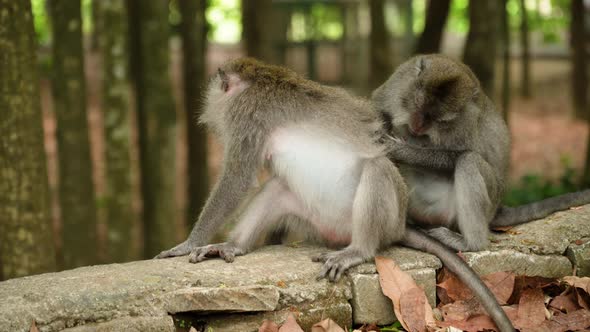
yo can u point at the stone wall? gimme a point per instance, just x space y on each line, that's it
267 284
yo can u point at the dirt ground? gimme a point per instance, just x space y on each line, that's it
544 134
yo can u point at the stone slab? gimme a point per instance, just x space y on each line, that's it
239 299
129 324
371 306
551 266
549 236
579 255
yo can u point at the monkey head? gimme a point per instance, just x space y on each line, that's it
430 97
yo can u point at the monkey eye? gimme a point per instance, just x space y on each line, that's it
224 86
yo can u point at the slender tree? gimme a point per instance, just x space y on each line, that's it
156 118
506 60
381 55
579 39
525 88
436 19
482 40
193 29
26 241
76 191
111 21
264 30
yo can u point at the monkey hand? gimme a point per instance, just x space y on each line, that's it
337 262
226 250
182 249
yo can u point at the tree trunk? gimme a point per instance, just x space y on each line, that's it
76 190
260 41
116 104
436 19
579 60
381 55
525 49
193 29
480 48
26 241
156 120
506 60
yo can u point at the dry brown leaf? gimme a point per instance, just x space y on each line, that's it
290 325
582 298
566 302
522 283
412 306
396 285
33 327
452 289
268 326
369 328
501 284
475 324
531 309
461 310
327 325
577 320
578 282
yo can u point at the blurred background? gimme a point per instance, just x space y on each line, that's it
102 159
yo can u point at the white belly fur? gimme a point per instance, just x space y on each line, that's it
317 167
432 197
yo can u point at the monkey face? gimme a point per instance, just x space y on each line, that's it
427 97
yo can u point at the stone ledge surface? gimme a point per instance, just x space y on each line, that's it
268 283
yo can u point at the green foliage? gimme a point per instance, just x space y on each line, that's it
40 17
533 187
225 19
458 20
395 327
316 21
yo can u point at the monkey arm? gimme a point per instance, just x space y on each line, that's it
237 178
430 158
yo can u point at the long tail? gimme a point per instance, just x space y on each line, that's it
418 240
509 216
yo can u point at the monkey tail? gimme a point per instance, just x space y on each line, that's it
509 216
418 240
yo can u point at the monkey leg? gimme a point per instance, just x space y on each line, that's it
474 194
265 208
378 218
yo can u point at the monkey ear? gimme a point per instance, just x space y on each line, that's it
224 79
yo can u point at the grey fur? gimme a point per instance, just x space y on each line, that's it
466 143
262 101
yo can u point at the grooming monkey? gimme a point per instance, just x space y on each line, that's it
453 150
328 167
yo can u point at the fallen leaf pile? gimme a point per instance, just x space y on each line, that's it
532 304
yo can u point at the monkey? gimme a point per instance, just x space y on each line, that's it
320 145
453 148
328 168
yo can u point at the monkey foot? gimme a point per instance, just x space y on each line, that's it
337 262
224 250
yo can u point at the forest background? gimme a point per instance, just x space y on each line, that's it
101 156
